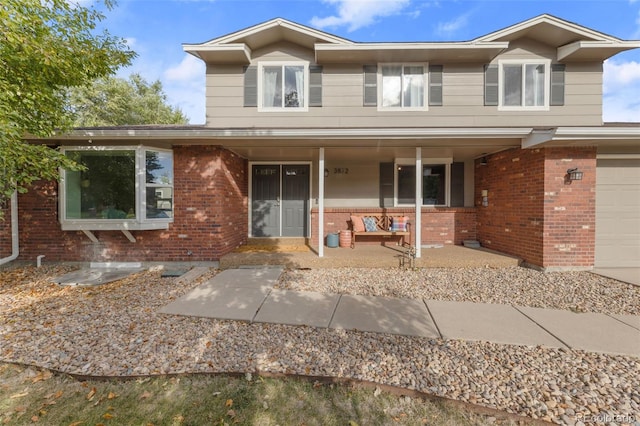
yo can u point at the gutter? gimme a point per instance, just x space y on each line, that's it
15 247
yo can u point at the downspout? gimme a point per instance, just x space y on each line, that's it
15 248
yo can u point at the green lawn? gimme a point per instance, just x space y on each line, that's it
33 396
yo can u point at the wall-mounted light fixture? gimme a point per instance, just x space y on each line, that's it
574 174
483 161
326 172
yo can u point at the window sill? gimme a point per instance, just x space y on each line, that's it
403 109
87 227
286 110
113 225
523 108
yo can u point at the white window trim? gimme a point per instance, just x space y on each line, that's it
425 82
140 222
547 84
425 161
261 65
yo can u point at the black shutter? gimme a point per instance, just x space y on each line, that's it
315 86
250 86
457 185
557 84
435 85
491 85
386 184
370 88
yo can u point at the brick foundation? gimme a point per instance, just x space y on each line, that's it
532 212
210 217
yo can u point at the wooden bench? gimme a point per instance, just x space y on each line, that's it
383 223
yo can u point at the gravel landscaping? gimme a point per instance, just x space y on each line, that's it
116 330
575 291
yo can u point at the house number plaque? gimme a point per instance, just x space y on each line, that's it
341 170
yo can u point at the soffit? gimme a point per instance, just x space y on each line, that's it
409 52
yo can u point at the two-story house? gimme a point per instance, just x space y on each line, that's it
499 139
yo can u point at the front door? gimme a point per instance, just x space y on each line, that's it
280 200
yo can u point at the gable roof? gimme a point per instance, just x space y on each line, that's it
237 47
572 41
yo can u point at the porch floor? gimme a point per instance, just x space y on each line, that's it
299 255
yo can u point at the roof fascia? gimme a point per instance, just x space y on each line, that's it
197 50
267 133
539 138
612 48
412 46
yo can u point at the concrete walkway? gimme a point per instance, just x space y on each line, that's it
248 295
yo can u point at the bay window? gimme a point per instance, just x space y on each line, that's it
120 188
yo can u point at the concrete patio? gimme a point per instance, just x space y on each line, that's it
294 253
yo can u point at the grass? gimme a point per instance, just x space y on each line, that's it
34 396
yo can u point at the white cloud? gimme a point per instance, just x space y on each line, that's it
357 14
184 85
451 27
190 68
621 85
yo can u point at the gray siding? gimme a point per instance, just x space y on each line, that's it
463 104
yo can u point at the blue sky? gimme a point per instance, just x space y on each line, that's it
156 29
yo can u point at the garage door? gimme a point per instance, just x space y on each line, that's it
618 213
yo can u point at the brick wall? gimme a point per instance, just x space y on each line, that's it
210 216
439 225
532 212
570 208
5 228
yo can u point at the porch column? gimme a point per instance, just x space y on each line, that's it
418 243
321 202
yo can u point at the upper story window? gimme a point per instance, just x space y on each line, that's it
121 188
403 86
283 86
524 85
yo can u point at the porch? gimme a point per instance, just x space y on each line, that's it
300 253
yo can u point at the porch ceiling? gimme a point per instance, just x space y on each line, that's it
368 150
303 144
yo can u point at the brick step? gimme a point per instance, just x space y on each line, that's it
281 244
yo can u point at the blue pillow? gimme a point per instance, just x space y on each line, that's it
370 224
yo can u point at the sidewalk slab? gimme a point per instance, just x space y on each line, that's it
384 315
488 322
232 304
588 331
233 294
248 278
632 320
298 308
627 275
